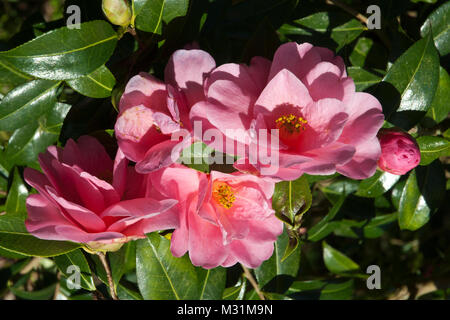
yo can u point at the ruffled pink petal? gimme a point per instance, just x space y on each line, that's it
136 132
161 155
120 172
187 70
364 163
251 253
168 219
298 59
232 87
206 246
43 216
89 155
326 120
146 90
324 81
86 218
259 69
285 89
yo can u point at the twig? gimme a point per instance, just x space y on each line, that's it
102 257
350 10
360 17
253 282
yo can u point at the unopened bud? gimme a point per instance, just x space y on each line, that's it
118 12
399 151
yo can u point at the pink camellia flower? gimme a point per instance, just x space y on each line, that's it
399 151
151 111
224 218
86 197
323 125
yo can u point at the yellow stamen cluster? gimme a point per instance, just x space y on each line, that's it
291 123
223 194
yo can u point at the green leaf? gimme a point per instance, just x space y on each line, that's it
151 14
10 76
377 185
237 292
26 103
336 261
324 227
440 108
17 195
323 26
43 294
98 84
432 148
322 290
409 86
197 156
362 78
213 283
122 261
65 53
424 191
397 193
439 23
14 237
78 259
292 199
275 275
163 276
27 142
369 229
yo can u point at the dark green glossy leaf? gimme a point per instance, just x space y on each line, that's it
377 185
274 275
432 148
98 84
440 107
322 290
43 294
17 195
292 199
336 261
14 237
371 229
26 103
324 227
237 292
10 76
438 22
76 258
27 142
151 14
212 283
336 27
65 53
362 78
424 191
409 86
163 276
397 193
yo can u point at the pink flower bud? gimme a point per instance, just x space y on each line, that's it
399 151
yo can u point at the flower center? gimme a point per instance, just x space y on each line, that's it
290 127
223 194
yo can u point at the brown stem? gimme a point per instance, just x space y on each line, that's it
350 10
102 257
253 282
360 17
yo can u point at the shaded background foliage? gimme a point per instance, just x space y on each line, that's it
400 223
